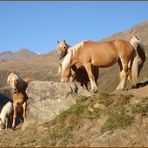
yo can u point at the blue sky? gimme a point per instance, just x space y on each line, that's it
38 25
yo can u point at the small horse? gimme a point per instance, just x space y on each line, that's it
19 96
6 113
100 54
78 72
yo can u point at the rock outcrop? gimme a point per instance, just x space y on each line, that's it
48 99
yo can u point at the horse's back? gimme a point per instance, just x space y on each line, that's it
124 48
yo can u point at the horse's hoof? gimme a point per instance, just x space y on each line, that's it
94 90
13 128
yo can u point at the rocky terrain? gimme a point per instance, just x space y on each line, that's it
65 114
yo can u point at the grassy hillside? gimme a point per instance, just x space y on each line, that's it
116 119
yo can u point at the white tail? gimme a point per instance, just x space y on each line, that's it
138 59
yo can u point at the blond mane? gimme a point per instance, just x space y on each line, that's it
71 52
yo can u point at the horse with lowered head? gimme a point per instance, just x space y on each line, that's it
139 59
19 96
102 54
78 72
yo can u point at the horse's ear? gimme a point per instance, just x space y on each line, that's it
65 42
137 37
58 42
8 80
13 72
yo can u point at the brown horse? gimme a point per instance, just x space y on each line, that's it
19 96
100 54
78 72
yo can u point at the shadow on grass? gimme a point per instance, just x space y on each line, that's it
143 84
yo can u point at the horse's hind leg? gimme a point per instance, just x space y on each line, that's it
91 77
123 74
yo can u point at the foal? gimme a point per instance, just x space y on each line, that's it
5 114
19 96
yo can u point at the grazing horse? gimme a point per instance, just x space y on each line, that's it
100 54
19 96
138 60
78 72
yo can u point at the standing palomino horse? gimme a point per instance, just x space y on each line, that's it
78 72
101 54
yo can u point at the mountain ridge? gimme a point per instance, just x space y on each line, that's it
9 55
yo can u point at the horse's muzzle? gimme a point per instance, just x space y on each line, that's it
60 56
14 90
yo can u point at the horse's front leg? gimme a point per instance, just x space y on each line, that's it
24 110
123 74
91 77
14 115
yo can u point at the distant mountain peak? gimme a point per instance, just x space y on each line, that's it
26 51
6 52
23 53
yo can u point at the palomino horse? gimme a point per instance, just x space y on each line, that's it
19 96
6 113
78 72
100 54
138 60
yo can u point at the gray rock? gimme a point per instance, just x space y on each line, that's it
48 99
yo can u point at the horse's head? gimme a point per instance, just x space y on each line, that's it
134 41
62 48
64 75
14 81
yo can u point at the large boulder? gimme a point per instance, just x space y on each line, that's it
48 99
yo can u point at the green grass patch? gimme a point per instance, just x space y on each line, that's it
103 98
124 99
94 115
141 107
118 118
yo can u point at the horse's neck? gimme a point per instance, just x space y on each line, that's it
68 47
22 86
67 59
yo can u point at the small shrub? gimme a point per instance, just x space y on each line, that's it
117 119
124 99
103 98
95 114
141 107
